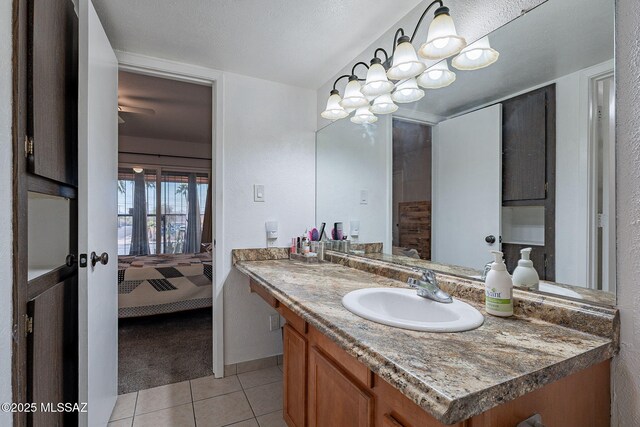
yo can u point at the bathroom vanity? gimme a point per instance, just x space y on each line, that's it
551 359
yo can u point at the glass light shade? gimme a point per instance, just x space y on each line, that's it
442 39
383 105
475 56
334 110
363 115
138 169
407 91
353 97
405 61
436 76
377 82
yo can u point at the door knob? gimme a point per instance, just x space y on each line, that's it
102 259
490 239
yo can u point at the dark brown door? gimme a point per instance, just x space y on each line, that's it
52 350
295 377
524 147
334 399
52 92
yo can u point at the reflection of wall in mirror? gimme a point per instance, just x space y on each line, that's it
352 159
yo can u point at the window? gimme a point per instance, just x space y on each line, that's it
167 199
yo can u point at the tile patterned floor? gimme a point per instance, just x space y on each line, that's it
249 399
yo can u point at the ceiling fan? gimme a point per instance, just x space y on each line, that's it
134 110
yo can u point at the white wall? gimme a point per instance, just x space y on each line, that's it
626 367
269 139
6 187
352 158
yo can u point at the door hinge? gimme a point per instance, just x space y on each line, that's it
28 329
28 146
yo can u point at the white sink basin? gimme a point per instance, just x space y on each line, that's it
403 308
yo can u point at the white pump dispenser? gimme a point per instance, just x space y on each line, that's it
498 288
524 274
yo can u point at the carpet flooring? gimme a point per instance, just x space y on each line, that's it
164 349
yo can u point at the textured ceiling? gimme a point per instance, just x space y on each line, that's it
300 42
182 110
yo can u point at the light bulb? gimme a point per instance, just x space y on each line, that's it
407 91
475 56
334 110
405 61
436 76
442 39
353 97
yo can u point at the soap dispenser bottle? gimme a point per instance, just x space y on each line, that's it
498 288
524 274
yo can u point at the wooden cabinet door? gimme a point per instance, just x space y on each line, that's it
52 352
524 146
52 92
334 399
295 377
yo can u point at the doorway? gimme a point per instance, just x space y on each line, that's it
165 275
602 182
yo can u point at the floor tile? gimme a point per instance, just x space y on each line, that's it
222 410
254 365
265 398
248 423
178 416
121 423
273 419
261 377
206 387
125 405
166 396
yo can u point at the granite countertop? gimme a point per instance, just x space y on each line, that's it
452 376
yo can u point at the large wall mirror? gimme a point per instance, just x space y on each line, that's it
520 154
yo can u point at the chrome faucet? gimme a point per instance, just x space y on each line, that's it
427 286
487 268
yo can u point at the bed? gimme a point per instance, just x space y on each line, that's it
167 283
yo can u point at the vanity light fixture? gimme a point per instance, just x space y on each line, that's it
407 91
442 39
364 116
404 66
334 110
383 105
405 61
377 82
353 97
475 56
437 76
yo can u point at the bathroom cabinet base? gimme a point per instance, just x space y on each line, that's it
319 375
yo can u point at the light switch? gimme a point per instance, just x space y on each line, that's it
364 197
258 193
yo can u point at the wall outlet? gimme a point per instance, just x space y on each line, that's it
364 197
258 193
274 322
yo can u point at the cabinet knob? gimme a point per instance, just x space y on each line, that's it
102 259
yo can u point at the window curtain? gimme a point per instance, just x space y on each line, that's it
194 228
139 236
208 219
